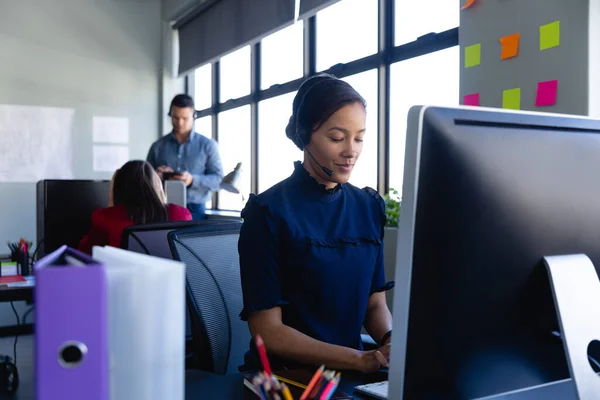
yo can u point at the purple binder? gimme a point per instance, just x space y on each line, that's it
71 352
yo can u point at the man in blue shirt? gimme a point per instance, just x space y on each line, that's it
187 156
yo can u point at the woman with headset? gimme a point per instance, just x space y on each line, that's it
311 247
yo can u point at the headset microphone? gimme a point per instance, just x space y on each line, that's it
325 169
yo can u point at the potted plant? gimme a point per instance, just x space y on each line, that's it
390 239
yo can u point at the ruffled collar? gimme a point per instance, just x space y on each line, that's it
310 185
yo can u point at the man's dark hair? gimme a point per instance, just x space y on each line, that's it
183 101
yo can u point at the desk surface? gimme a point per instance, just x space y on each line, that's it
16 293
200 386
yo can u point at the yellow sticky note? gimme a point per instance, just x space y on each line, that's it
511 99
472 55
550 35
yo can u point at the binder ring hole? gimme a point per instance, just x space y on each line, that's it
71 354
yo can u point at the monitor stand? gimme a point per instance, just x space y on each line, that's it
576 292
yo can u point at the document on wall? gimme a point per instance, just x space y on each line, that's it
110 130
35 143
109 158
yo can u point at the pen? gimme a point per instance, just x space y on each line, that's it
291 382
330 388
321 383
262 352
312 383
286 392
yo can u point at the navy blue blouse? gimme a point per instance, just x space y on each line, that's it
317 253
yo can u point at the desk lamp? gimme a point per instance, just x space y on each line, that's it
231 181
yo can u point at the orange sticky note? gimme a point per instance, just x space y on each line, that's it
510 46
467 4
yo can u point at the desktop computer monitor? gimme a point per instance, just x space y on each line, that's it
486 195
64 211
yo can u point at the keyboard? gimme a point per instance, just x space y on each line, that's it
379 390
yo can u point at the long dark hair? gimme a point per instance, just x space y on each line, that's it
318 98
135 188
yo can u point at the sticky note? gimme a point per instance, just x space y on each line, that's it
511 99
471 99
472 55
510 46
550 35
467 4
546 93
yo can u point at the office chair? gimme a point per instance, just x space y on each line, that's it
214 294
152 239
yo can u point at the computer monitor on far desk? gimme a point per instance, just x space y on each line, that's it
64 211
486 195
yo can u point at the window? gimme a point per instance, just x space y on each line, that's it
204 126
346 31
235 75
276 153
431 79
234 147
282 56
365 171
203 87
415 18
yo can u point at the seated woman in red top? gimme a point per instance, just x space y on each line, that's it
136 197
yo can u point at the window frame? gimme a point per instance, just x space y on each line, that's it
387 55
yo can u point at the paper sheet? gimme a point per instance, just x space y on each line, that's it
110 158
110 130
511 99
35 143
550 35
510 46
546 93
473 55
471 99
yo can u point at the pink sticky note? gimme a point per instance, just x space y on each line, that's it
546 93
471 99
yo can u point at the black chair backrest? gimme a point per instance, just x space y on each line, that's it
152 239
214 294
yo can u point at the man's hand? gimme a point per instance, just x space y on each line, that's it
185 177
162 169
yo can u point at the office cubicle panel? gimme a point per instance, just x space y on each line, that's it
214 294
64 211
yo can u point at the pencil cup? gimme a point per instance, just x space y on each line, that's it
22 260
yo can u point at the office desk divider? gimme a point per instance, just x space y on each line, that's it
140 315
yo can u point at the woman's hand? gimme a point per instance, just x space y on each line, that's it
372 361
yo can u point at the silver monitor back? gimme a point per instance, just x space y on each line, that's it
176 193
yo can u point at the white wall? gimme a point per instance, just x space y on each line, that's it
99 57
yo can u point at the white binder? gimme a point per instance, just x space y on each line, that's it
146 325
